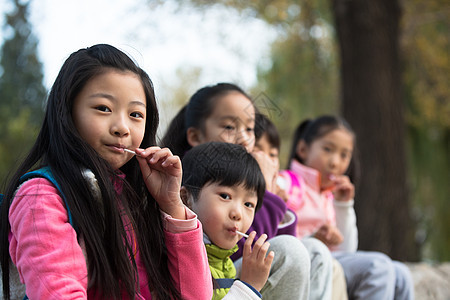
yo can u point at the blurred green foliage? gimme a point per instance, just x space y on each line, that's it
426 59
22 94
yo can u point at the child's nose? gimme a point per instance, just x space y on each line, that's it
120 127
235 214
334 160
243 138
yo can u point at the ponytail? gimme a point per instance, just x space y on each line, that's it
298 135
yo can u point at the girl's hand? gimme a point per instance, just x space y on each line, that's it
343 189
329 235
268 168
162 173
255 264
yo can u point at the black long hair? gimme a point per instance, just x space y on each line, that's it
222 163
194 114
98 223
311 130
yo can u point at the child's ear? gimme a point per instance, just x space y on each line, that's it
302 150
194 136
186 197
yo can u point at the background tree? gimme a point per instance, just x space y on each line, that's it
372 101
370 98
22 93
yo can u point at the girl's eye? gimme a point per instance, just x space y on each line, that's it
103 108
137 115
250 129
327 149
224 196
229 127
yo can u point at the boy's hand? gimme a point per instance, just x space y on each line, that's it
329 235
162 173
255 264
343 190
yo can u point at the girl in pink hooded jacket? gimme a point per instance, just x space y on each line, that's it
322 194
128 236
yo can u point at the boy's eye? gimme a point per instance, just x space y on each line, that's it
137 115
103 108
225 196
249 204
327 149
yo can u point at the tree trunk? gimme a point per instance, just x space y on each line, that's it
368 34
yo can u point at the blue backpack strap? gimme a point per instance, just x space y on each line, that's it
224 283
46 173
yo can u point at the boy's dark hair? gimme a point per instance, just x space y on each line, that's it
224 164
100 223
264 126
310 130
194 114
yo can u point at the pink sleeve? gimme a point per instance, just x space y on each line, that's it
43 244
177 226
188 263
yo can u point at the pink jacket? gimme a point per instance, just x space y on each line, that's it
50 260
315 208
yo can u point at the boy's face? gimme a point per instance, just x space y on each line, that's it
223 210
263 145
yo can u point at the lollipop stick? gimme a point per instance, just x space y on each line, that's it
243 234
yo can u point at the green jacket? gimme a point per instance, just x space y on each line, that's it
221 266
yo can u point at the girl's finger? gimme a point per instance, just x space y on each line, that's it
159 155
147 152
171 161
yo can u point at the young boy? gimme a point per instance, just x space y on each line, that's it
224 186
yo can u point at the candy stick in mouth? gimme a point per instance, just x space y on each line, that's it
130 151
243 234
